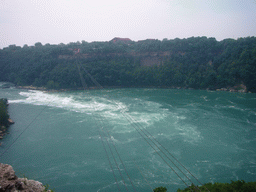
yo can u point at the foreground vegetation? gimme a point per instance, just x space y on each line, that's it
196 62
234 186
3 113
239 186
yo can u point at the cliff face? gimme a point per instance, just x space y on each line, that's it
10 182
146 58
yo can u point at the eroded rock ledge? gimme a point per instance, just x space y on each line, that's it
11 183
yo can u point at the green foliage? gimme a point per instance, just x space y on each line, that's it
52 85
47 188
3 112
196 62
239 186
160 189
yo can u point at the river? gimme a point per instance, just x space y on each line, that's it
105 140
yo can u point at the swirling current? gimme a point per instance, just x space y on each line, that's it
100 140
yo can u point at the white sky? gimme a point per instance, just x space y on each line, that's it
63 21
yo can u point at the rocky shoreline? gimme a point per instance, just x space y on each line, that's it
8 180
241 88
8 122
11 183
238 88
3 128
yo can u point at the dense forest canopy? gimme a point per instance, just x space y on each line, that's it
195 62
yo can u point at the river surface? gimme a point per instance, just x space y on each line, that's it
106 140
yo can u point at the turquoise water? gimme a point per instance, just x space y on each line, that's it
213 134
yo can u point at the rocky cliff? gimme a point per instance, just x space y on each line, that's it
11 183
146 58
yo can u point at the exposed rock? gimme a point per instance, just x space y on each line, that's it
2 131
7 172
10 182
10 121
150 59
241 88
31 87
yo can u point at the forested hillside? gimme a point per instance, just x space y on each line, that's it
196 62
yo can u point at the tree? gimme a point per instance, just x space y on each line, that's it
38 44
239 185
160 189
3 112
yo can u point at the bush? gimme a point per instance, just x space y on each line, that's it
160 189
239 186
3 112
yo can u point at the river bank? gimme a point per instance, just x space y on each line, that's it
8 180
5 120
241 88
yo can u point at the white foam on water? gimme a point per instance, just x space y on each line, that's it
181 117
130 140
179 127
205 98
189 133
144 113
230 163
107 187
249 172
70 102
112 139
140 111
43 98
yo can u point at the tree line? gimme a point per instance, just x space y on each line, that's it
195 62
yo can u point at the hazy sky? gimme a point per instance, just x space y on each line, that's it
63 21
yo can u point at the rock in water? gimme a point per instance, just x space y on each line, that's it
10 121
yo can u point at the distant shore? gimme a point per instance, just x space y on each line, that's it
238 88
